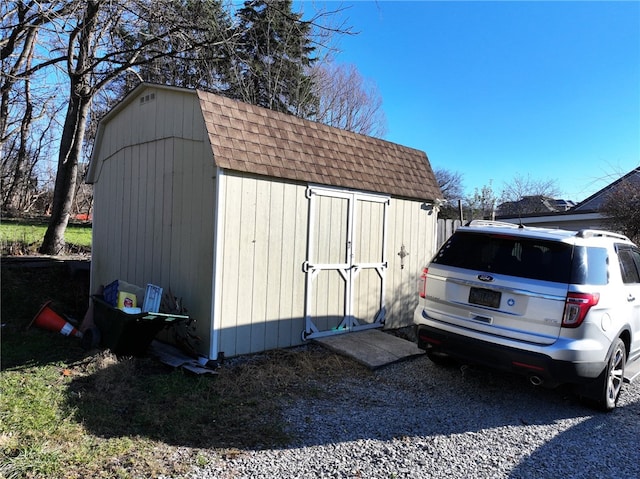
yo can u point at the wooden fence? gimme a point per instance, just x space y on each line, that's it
446 229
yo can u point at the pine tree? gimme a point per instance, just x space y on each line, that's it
269 65
201 49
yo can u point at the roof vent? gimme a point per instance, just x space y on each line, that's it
147 98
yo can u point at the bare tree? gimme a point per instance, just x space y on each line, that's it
275 61
22 108
622 206
20 25
520 186
101 41
524 195
482 203
93 45
347 100
451 185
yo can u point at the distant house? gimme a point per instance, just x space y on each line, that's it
585 214
563 205
594 202
535 204
272 229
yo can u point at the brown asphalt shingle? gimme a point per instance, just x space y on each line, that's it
252 139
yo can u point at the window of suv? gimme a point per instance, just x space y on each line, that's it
524 257
629 259
511 255
590 265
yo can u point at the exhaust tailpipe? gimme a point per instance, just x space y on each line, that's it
536 380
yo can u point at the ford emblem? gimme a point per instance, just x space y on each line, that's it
485 277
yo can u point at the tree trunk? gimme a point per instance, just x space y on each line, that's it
75 124
24 57
65 186
16 195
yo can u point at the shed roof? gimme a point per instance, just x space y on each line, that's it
257 140
252 139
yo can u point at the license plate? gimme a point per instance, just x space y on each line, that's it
485 297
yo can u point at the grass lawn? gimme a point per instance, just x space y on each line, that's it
70 413
19 237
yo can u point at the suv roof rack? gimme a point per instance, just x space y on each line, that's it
497 224
589 233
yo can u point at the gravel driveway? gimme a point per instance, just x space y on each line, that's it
418 420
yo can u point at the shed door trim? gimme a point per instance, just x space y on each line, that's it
349 268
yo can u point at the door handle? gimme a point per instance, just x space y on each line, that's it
631 298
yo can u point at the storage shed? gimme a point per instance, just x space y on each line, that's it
272 229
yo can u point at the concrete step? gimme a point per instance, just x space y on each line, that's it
371 347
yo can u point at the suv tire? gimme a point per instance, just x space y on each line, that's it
613 376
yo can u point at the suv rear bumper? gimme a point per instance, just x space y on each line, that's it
528 363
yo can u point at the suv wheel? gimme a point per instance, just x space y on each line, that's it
613 376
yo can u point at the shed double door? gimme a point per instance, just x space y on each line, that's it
346 263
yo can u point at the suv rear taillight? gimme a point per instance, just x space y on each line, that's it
422 284
576 308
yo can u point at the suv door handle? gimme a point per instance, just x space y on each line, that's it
631 298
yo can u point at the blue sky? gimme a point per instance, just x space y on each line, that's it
549 90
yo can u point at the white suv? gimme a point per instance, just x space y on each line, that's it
561 307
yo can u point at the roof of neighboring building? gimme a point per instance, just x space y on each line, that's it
563 205
528 204
595 201
253 139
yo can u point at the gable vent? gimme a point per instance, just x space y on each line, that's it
147 98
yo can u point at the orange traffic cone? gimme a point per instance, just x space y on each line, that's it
47 318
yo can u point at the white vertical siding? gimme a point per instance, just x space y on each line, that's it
368 248
328 246
264 244
245 271
192 219
154 202
414 227
291 298
263 247
274 268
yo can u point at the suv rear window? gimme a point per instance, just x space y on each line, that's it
524 257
